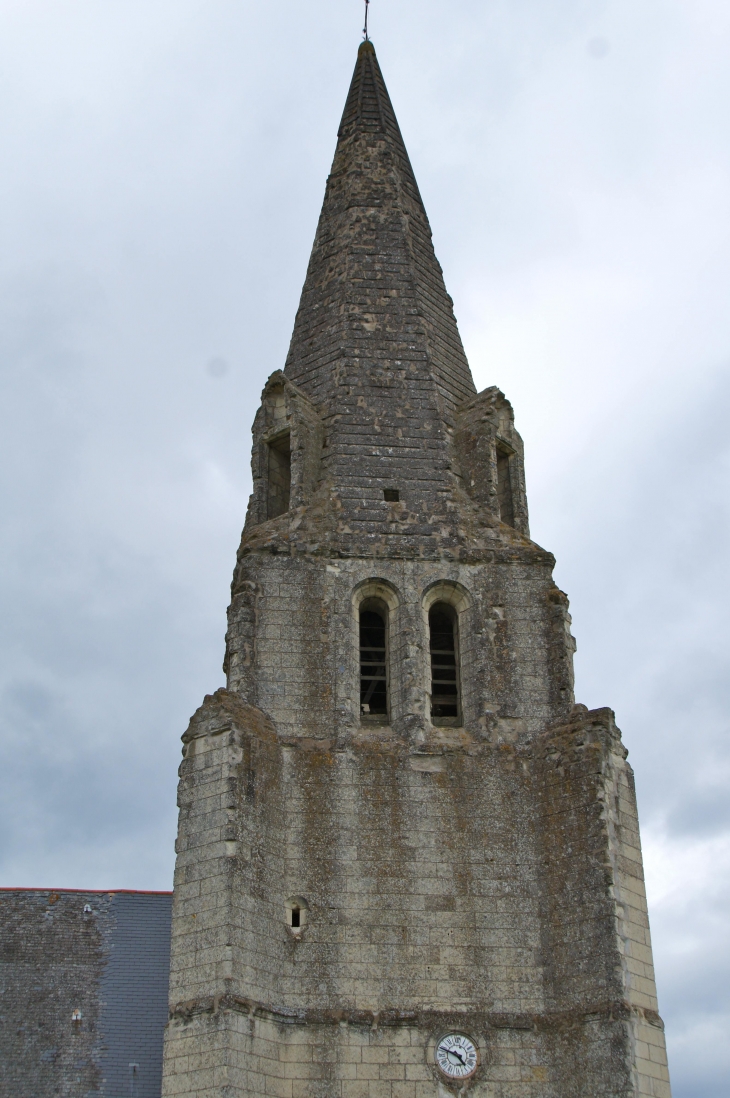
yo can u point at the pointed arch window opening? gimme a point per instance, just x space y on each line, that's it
374 679
444 653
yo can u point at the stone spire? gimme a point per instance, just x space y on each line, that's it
374 296
375 344
373 439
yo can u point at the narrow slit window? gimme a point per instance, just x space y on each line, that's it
445 707
296 914
504 488
279 476
373 662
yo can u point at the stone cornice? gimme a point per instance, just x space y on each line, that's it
615 1010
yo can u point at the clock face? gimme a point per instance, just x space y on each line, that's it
456 1055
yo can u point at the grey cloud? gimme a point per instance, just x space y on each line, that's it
707 812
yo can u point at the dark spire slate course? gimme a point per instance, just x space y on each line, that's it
375 343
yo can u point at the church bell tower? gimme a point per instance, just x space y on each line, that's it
408 865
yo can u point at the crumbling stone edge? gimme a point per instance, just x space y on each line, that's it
616 1010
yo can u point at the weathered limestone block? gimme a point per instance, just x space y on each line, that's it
455 883
490 456
596 930
287 412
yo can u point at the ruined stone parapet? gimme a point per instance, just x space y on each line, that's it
596 929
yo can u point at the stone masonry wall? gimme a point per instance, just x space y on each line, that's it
386 1057
104 955
457 883
52 957
596 939
293 643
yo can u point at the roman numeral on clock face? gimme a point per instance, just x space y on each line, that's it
456 1055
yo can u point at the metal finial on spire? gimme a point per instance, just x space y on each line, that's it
365 30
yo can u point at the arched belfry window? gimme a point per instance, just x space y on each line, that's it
444 650
374 661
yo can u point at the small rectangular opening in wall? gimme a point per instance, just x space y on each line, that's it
391 495
504 486
279 475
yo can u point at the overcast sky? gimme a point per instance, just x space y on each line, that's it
163 167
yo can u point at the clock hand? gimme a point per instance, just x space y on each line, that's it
453 1052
